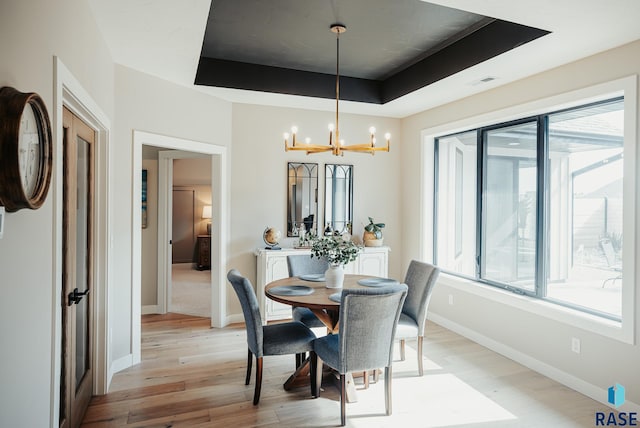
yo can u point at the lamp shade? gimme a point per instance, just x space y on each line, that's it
206 211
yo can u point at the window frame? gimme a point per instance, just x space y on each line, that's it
570 314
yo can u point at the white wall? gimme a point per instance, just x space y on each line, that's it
149 104
540 340
31 33
259 179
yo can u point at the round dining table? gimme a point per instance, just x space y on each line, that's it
318 300
325 304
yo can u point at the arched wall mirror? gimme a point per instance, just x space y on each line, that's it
302 198
338 200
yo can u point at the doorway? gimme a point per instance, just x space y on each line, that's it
219 207
181 283
76 374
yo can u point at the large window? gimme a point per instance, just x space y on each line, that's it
535 206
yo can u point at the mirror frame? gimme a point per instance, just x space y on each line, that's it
311 198
331 225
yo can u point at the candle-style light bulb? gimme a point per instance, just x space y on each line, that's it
387 136
294 130
372 130
307 140
331 134
286 135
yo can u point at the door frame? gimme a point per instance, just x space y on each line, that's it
69 92
219 228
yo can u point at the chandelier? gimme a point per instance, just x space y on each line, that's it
336 145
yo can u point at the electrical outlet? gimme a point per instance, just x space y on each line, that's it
451 299
575 345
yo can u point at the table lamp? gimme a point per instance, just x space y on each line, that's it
206 213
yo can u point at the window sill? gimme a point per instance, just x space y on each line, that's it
623 332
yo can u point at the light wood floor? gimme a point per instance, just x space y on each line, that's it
192 375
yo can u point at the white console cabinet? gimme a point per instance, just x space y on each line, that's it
272 265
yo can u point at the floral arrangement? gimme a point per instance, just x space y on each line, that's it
334 250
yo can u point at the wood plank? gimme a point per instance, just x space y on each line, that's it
193 375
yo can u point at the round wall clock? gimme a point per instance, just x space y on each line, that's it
25 150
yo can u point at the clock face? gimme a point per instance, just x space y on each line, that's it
29 151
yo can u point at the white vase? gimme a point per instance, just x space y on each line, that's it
334 276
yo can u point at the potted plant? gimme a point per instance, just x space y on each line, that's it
337 252
372 236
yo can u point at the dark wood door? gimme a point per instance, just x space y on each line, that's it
76 384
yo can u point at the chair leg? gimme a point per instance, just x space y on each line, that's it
402 350
387 389
249 364
420 369
343 399
300 359
315 379
365 375
256 394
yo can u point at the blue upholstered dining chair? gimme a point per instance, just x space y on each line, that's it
368 320
304 264
277 339
420 278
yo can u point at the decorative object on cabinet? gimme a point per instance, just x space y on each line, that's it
204 252
302 198
271 237
372 236
206 214
272 265
25 150
338 200
336 145
337 252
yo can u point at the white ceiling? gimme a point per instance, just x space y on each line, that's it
163 38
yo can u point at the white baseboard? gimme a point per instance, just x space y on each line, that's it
150 309
233 319
577 384
119 365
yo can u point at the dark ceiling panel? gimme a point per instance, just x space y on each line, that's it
391 47
240 75
487 42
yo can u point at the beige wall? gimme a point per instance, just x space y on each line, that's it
259 178
149 104
537 339
31 33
